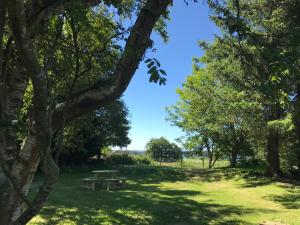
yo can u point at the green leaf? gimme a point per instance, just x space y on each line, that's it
148 60
150 64
157 62
162 81
153 70
163 72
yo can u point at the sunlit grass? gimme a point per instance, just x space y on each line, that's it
173 196
194 163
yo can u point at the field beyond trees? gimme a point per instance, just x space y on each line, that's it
173 196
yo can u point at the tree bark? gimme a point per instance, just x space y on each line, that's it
273 143
210 160
210 154
273 159
233 158
296 121
14 82
18 165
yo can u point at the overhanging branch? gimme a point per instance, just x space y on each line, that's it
135 48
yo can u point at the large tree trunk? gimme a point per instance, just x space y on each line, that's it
18 164
273 143
12 169
272 156
296 121
15 189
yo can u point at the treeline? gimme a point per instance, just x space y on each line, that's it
242 100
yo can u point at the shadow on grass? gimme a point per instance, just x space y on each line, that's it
144 201
251 177
290 200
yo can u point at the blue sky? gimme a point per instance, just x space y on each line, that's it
147 101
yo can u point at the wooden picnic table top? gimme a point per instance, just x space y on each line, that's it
105 171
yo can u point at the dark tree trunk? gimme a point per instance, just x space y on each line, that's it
210 160
99 153
273 158
214 161
210 154
296 121
233 158
273 143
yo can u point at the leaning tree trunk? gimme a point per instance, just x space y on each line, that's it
18 164
210 160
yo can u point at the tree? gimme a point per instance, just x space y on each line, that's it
51 43
263 37
88 135
216 117
160 149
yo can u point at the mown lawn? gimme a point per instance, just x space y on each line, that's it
172 196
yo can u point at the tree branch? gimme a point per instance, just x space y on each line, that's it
105 91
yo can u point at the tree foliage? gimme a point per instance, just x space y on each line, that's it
87 136
254 63
215 116
161 150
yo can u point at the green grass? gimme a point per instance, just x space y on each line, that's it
173 196
194 163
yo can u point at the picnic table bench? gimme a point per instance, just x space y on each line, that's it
103 179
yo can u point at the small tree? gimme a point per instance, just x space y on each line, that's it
160 149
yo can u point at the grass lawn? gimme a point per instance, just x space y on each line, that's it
173 196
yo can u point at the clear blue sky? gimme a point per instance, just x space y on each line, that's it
147 101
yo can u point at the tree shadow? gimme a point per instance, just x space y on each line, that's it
144 202
290 200
252 178
206 175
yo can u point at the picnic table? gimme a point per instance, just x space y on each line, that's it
105 173
103 179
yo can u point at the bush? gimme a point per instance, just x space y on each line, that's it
142 159
124 158
120 159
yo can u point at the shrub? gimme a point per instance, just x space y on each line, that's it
120 159
124 158
141 159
